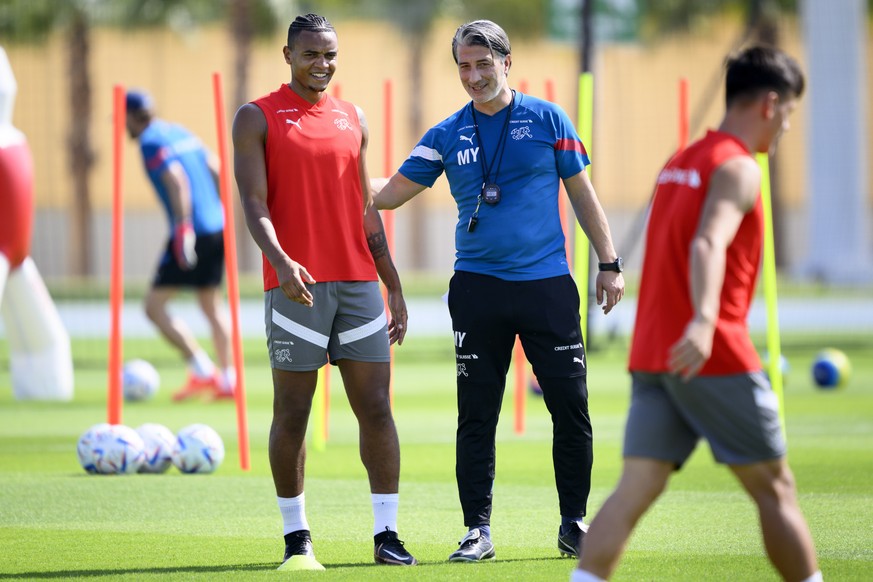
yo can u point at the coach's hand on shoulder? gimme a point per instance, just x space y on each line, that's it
292 278
376 185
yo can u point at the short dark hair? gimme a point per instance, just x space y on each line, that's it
138 100
139 104
762 68
308 23
481 33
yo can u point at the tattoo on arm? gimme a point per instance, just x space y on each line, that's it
378 245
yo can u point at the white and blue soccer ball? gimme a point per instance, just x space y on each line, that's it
198 449
86 444
111 449
159 442
139 380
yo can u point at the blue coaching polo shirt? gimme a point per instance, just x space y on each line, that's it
162 143
519 238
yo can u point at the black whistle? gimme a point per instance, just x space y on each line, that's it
471 226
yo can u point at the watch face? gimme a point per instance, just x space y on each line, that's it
491 193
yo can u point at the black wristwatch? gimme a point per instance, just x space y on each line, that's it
617 265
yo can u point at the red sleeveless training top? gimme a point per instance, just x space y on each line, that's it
664 307
314 186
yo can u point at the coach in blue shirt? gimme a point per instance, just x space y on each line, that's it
505 154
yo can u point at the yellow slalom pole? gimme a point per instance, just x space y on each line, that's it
774 349
585 121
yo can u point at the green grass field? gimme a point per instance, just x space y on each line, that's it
58 522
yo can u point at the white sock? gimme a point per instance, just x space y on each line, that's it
228 379
293 511
385 511
583 576
814 578
200 365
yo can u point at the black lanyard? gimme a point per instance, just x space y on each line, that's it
490 192
501 145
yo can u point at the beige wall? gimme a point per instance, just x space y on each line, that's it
635 104
637 111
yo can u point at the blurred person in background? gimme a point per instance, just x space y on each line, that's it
694 370
185 176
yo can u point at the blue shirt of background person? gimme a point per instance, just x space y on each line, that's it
162 143
519 239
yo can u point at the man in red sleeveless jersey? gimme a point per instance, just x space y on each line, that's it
695 373
300 164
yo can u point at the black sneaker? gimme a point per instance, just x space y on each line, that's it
390 550
298 552
570 540
474 547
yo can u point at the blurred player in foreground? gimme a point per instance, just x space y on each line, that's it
695 373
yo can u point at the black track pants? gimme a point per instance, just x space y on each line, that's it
487 314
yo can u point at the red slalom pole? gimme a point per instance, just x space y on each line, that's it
520 386
116 285
388 215
231 270
683 113
388 166
518 363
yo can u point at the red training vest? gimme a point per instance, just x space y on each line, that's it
314 187
664 307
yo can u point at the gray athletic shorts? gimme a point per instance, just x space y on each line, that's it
738 415
347 320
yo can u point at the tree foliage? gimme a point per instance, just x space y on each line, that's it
32 20
184 15
666 16
518 17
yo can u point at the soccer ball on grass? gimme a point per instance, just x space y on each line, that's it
111 449
198 449
159 442
140 380
831 369
86 444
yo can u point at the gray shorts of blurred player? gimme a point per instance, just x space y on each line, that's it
738 415
347 321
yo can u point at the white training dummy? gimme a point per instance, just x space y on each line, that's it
39 346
